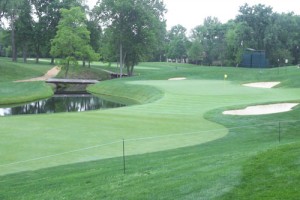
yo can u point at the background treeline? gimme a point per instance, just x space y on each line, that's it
256 27
29 26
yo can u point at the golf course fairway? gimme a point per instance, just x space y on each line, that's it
176 120
176 140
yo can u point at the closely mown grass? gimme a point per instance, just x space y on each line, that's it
15 93
13 71
206 155
127 94
216 170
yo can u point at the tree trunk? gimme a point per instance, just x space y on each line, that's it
13 41
121 60
37 51
67 68
52 61
25 53
131 70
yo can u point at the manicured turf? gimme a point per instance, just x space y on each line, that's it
19 71
14 93
169 115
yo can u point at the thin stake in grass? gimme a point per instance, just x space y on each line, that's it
279 132
124 161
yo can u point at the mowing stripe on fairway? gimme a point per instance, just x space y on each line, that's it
180 111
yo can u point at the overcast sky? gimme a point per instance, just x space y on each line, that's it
190 13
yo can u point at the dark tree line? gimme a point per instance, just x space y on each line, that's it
127 31
130 31
255 27
31 25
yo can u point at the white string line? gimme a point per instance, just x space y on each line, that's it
138 139
59 154
207 131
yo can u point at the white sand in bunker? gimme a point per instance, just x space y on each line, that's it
177 79
263 109
50 74
262 84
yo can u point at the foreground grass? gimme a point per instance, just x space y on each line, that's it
273 174
213 151
216 170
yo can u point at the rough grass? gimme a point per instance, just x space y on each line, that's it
18 71
15 93
273 174
207 155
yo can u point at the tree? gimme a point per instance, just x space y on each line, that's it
177 43
258 17
212 37
134 26
72 38
24 28
238 37
95 36
196 52
3 6
11 12
47 16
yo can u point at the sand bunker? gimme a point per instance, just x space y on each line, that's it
263 109
177 79
262 84
50 74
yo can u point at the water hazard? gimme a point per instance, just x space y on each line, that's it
60 103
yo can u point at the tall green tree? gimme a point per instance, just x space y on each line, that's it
72 39
47 15
238 37
24 28
96 34
212 37
134 26
258 17
11 12
177 43
3 6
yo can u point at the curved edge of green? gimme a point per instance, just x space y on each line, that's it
125 93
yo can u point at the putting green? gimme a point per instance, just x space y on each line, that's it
176 120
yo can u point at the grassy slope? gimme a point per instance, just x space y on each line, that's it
13 93
175 174
273 174
19 71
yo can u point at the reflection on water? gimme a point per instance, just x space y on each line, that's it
61 103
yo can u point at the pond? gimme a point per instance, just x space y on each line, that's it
60 103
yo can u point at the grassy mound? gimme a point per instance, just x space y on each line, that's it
14 93
126 93
18 71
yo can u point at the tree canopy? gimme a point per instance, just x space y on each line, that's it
130 31
132 28
72 38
